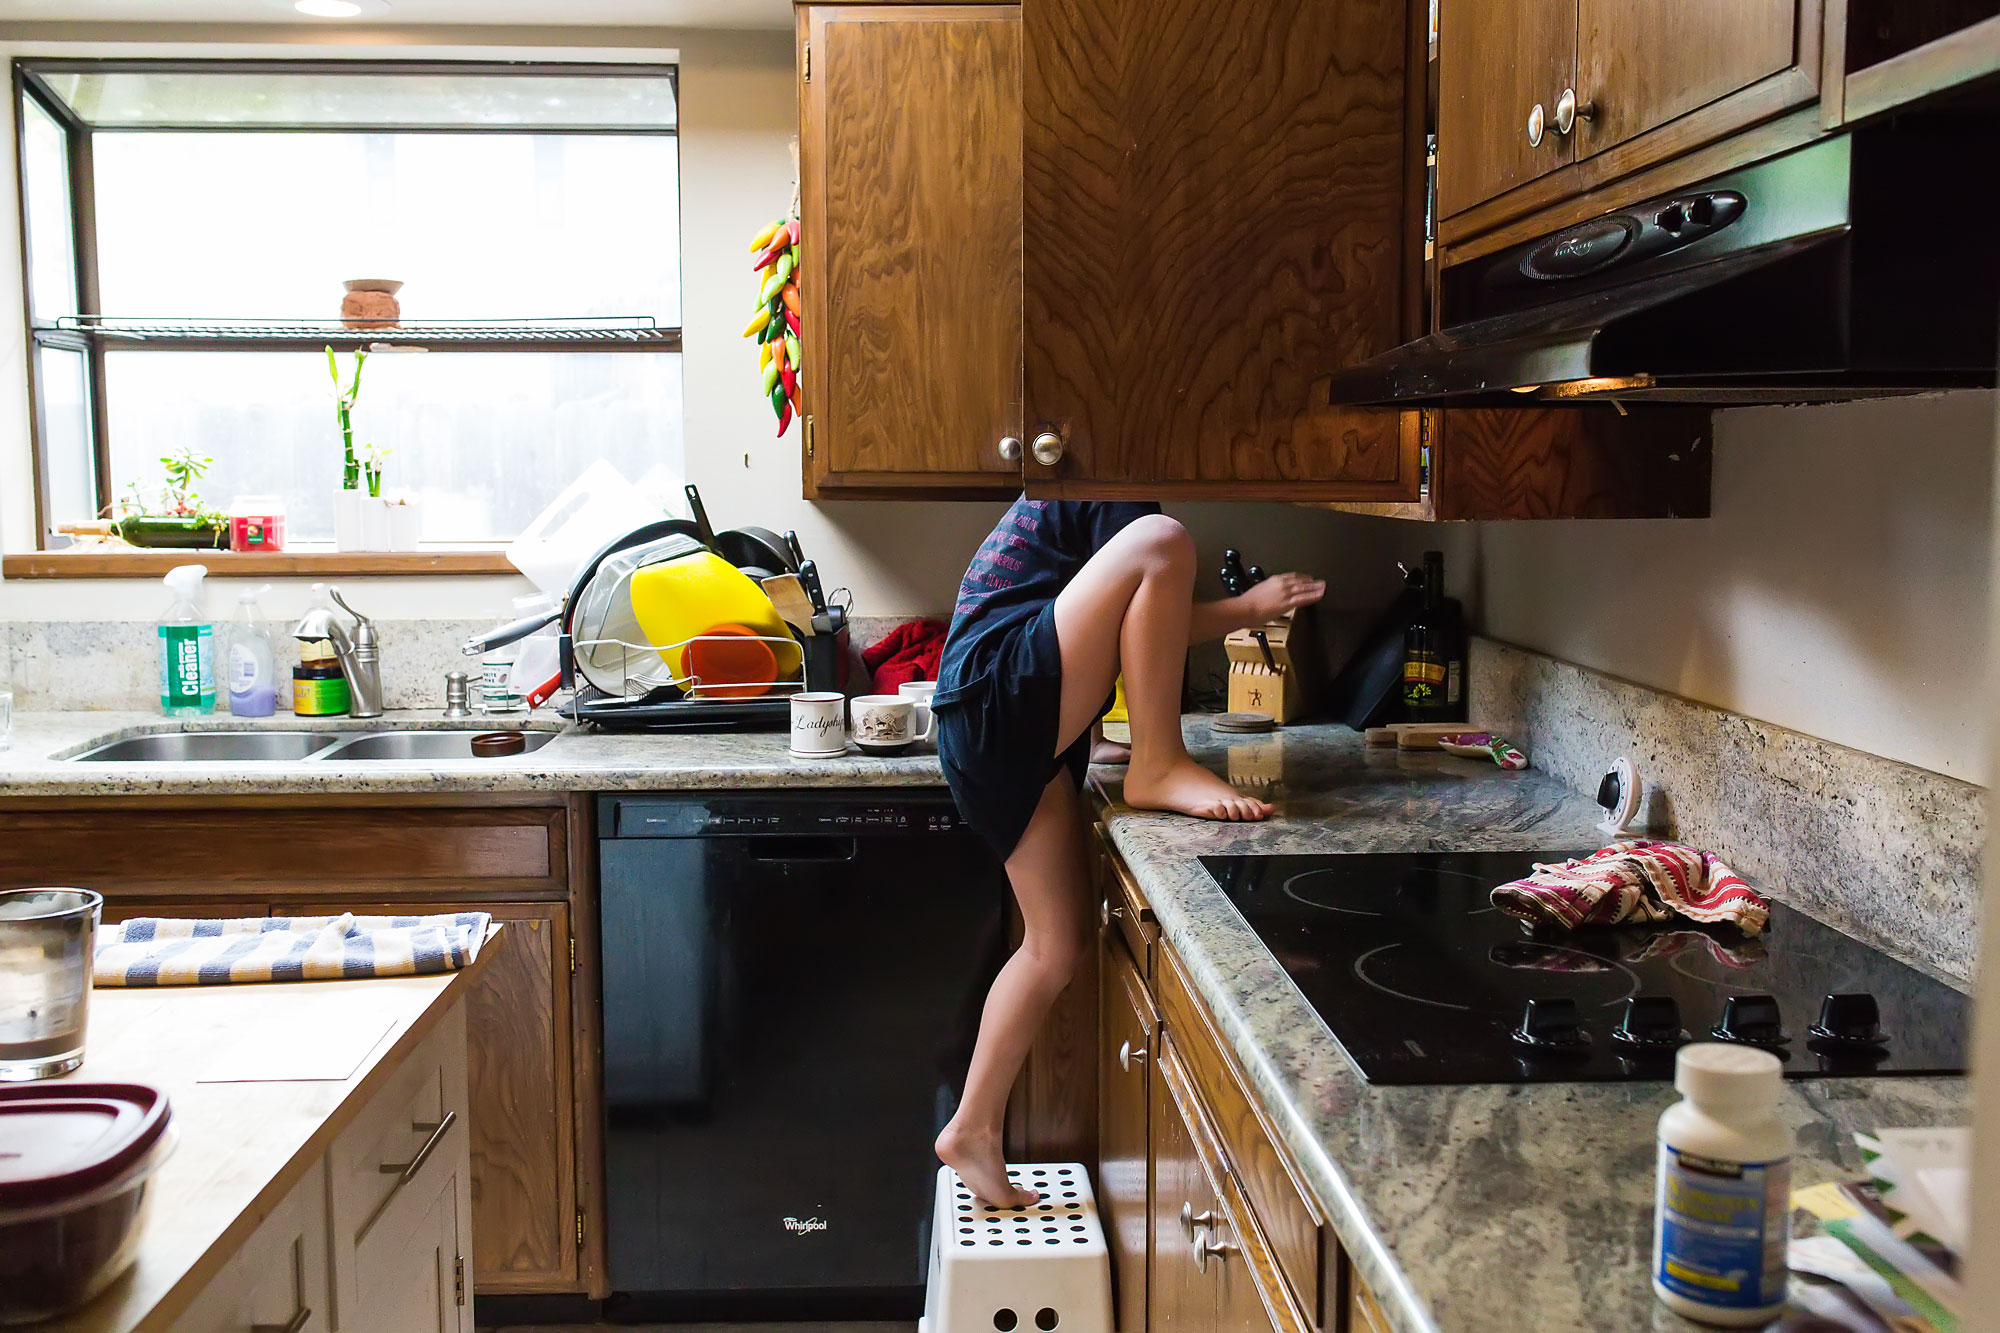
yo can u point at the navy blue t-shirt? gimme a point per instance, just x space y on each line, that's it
1030 556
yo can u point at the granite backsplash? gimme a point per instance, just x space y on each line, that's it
1887 852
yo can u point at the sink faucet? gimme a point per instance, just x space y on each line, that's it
359 654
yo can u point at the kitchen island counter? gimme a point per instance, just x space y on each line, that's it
1458 1202
577 760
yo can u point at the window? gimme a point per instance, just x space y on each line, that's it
189 226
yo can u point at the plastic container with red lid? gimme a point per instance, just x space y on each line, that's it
74 1189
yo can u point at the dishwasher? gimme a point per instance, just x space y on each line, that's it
792 985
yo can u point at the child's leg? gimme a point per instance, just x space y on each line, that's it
1128 609
1051 879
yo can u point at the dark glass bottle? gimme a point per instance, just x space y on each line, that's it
1426 672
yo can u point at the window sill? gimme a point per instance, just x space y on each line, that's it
133 564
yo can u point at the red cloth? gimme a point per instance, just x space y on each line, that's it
1634 880
908 652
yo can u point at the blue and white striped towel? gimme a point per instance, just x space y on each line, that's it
162 951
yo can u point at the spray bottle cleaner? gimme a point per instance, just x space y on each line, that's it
187 647
253 663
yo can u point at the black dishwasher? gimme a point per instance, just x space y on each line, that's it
792 982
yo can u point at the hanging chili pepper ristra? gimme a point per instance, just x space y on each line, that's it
776 258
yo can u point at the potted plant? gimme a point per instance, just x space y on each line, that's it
350 502
179 519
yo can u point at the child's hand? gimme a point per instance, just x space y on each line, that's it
1280 593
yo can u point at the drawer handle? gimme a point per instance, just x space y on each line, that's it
292 1325
1129 1055
408 1170
1206 1248
1193 1222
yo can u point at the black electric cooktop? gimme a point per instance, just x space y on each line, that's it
1423 980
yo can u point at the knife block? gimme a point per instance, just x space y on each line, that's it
1274 687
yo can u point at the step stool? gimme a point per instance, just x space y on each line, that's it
1032 1269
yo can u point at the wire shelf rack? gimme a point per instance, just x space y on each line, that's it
596 333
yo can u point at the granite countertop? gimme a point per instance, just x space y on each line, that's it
1451 1201
37 763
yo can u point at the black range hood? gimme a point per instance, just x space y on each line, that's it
1859 266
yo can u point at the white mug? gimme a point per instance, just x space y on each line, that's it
919 692
819 724
887 722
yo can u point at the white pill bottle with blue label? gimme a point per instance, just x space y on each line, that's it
1723 1209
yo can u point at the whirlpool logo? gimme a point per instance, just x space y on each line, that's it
804 1226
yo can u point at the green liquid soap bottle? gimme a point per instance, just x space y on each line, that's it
187 647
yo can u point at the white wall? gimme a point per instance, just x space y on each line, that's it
1840 589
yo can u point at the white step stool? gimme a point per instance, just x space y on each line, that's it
1033 1269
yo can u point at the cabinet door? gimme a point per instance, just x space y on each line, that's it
1123 1138
279 1278
524 1179
1183 1300
1498 60
1640 63
911 199
416 1286
1215 219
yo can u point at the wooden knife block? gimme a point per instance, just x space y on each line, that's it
1257 685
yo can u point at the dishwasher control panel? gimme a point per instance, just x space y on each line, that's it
787 814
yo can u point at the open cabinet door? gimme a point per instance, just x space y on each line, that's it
1982 1264
1215 218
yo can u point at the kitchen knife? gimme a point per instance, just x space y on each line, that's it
1234 581
798 551
809 575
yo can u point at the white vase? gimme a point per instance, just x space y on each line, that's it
406 524
350 528
375 523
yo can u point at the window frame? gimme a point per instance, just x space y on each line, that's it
78 334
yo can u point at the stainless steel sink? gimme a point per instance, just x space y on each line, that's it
180 747
423 745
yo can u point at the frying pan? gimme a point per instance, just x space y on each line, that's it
756 548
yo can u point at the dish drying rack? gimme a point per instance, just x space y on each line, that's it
656 697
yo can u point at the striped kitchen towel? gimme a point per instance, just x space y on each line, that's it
162 951
1634 880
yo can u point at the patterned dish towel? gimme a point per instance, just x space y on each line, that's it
161 951
1634 880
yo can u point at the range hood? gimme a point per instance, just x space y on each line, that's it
1858 266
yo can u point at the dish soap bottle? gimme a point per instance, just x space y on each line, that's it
187 647
1720 1229
253 662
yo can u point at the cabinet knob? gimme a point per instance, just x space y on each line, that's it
1106 913
1569 111
1010 449
1206 1248
1048 448
1192 1222
1129 1055
1535 125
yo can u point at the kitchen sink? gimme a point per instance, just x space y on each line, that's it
422 745
180 747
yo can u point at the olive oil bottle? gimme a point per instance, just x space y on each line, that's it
1434 649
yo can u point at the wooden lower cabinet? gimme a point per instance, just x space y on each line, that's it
533 1187
1124 1136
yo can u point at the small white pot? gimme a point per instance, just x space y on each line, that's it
374 523
406 525
350 528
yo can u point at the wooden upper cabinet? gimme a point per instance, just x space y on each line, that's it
1216 217
1499 60
910 200
1641 64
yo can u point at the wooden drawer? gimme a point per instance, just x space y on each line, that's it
279 1278
1269 1179
212 851
1124 903
386 1170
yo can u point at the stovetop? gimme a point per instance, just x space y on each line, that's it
1423 980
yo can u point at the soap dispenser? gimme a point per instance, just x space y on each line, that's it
187 647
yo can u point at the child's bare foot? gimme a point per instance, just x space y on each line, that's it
982 1166
1187 787
1110 752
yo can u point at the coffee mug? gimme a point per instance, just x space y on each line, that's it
887 722
819 725
919 692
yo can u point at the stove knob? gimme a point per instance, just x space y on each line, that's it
1650 1021
1551 1025
1849 1020
1751 1019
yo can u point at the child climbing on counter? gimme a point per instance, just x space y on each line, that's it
1061 598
